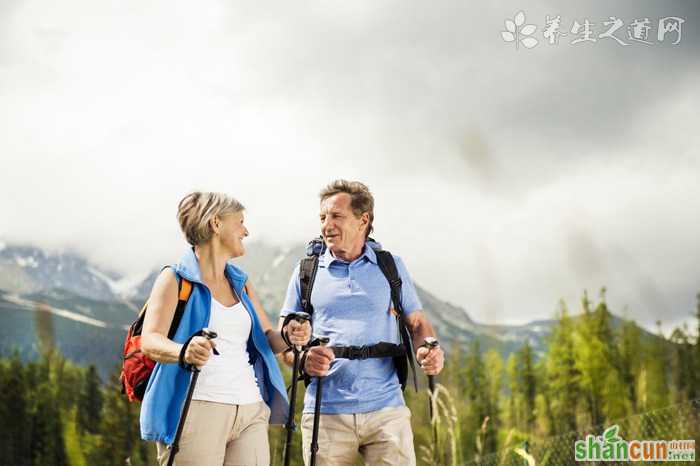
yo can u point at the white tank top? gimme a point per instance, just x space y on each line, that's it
228 377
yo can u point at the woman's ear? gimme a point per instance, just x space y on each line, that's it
215 225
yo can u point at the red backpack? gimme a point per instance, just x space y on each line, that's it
137 367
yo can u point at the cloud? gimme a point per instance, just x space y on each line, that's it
506 179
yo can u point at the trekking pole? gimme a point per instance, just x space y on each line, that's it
430 343
209 334
291 426
317 409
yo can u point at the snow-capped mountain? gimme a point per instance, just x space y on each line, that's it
86 309
27 269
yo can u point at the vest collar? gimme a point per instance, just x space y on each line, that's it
188 267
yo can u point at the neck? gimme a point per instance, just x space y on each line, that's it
351 254
212 262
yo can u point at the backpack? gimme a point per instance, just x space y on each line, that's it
137 367
308 267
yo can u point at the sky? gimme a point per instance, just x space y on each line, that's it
506 178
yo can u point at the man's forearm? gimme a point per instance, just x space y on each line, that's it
419 328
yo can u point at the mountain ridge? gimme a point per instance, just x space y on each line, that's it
79 295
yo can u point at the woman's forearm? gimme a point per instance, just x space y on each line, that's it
159 348
274 338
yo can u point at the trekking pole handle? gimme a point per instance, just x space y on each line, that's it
210 334
430 343
301 317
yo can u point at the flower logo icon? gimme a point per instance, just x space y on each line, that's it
519 32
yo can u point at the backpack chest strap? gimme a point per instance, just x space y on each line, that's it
379 350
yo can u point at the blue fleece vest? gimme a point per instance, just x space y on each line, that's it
167 387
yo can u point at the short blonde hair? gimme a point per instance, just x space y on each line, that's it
197 209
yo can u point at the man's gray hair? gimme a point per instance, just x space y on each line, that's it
362 199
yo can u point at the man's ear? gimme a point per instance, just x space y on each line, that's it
364 218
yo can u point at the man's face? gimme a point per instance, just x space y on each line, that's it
343 232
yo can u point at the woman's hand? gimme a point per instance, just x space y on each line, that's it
199 351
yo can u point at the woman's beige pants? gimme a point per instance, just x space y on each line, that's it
218 434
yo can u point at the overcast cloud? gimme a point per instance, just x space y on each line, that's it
506 179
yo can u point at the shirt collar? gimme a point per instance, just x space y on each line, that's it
367 252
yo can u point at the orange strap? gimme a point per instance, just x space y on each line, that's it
185 290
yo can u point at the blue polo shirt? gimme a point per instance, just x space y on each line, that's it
352 302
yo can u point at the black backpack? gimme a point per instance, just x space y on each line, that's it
307 275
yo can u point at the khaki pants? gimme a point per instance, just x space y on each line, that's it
218 434
382 437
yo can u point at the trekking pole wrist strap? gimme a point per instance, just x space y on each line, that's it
181 358
285 337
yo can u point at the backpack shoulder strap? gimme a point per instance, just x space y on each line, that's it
308 267
307 275
184 290
387 265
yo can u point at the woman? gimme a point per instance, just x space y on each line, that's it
240 390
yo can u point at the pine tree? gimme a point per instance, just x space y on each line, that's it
90 403
47 442
697 342
14 436
682 366
562 375
598 361
514 400
476 393
494 380
630 360
119 430
656 364
527 383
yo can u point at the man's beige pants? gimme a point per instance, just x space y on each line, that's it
218 434
382 437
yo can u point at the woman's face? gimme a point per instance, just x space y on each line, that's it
231 233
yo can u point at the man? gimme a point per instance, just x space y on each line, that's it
362 406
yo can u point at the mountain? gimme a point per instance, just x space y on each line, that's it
85 330
27 269
62 300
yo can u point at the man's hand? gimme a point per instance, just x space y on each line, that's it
318 361
298 334
431 360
